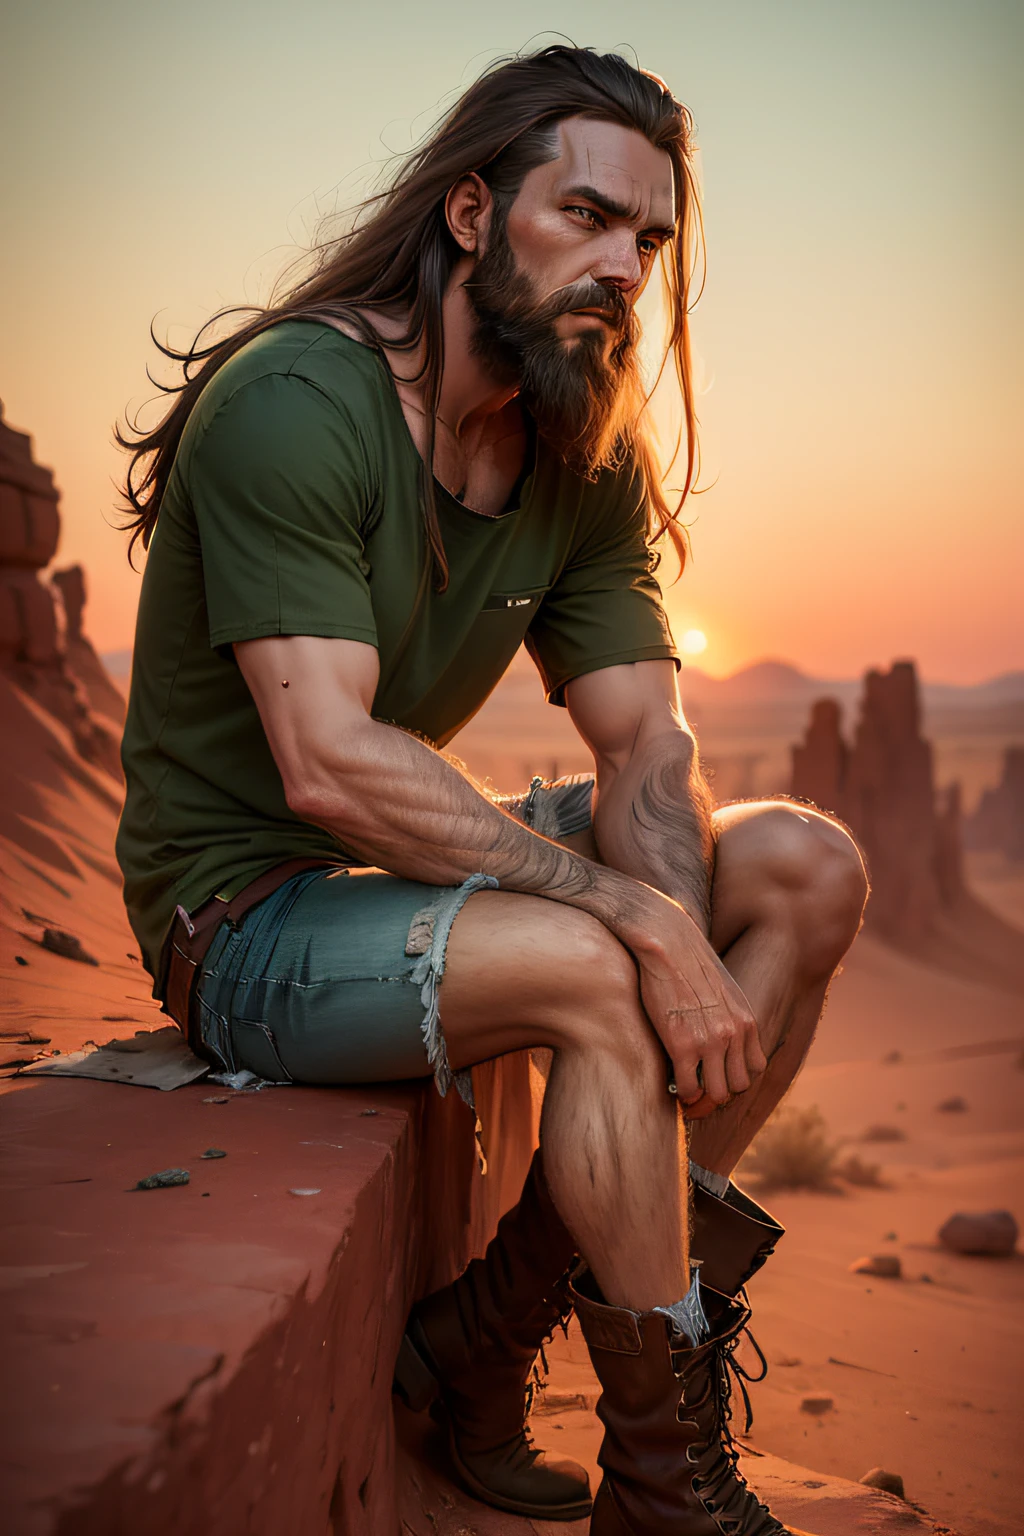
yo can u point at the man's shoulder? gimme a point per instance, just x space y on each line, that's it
287 361
615 498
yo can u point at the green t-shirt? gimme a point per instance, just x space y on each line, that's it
293 508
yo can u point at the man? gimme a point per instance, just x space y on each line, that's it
368 497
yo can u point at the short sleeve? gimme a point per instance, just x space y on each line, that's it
279 487
606 607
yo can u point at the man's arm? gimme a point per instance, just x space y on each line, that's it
395 802
653 813
653 816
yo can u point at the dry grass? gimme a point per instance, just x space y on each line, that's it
863 1175
792 1151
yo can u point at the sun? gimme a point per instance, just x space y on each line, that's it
694 642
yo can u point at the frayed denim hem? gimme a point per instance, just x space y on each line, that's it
428 938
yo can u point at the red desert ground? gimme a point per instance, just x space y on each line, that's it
910 1363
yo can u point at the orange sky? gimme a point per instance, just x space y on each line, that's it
856 334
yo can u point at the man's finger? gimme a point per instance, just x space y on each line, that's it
736 1072
756 1059
687 1081
715 1084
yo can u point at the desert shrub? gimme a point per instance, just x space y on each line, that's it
863 1175
792 1151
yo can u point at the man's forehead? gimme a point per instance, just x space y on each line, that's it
619 162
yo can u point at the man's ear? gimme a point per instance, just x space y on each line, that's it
467 209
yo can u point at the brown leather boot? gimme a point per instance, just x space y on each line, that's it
470 1349
731 1238
669 1459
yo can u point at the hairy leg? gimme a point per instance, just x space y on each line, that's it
787 899
523 972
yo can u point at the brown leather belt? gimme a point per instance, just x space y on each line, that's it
192 935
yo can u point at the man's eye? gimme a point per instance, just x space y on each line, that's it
585 213
647 247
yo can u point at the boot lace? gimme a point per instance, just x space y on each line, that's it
537 1382
718 1481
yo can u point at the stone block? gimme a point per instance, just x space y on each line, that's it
217 1357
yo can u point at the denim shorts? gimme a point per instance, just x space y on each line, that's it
335 977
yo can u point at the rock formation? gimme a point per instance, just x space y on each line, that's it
42 648
998 823
883 786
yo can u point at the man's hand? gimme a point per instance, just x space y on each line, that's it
701 1016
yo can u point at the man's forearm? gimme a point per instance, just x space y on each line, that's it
653 822
397 803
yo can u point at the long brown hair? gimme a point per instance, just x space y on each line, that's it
398 255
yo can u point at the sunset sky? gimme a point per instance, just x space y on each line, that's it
859 335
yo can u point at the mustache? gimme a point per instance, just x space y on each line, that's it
584 293
587 293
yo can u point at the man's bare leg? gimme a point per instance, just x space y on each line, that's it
787 900
523 972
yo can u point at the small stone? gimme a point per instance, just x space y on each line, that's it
166 1179
888 1482
954 1106
886 1266
785 1361
304 1191
891 1058
993 1233
213 1152
884 1133
891 1237
369 1111
816 1405
220 1098
20 960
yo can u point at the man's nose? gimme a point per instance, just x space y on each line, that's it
619 264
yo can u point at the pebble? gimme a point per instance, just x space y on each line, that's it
993 1233
954 1106
221 1098
213 1152
304 1191
886 1266
888 1482
167 1178
817 1405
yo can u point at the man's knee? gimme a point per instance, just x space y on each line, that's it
809 862
604 1011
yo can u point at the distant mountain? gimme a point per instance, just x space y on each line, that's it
118 664
778 682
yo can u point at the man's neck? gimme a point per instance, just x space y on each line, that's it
472 396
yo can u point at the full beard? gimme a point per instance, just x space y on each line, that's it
584 398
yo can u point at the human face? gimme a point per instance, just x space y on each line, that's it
554 290
598 213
